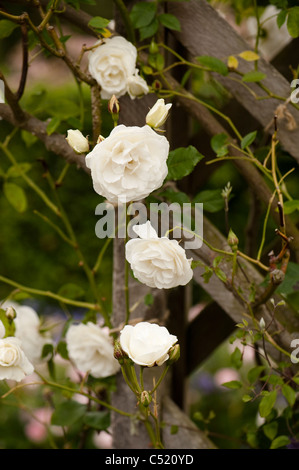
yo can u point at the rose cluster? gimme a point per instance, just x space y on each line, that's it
112 63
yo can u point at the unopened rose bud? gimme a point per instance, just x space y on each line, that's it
232 240
158 114
174 354
145 398
262 324
113 105
154 48
156 85
119 354
10 314
77 141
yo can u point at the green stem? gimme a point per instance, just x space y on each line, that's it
126 19
49 294
90 397
160 379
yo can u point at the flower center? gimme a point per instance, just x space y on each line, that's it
8 356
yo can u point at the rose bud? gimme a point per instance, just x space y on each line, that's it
158 114
77 141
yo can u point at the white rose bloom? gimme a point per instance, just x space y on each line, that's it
14 365
111 64
147 344
77 141
91 350
27 323
157 262
158 114
137 86
2 330
129 164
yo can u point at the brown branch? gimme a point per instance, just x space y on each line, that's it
22 84
55 142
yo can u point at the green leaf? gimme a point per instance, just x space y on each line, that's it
281 18
213 64
149 299
143 13
156 61
254 373
98 23
211 199
267 403
233 384
220 274
289 393
197 263
28 138
68 413
249 56
280 441
293 22
71 291
6 28
207 274
15 196
170 21
253 76
219 143
290 283
248 139
47 350
53 125
236 358
175 196
62 350
182 161
18 170
174 429
99 420
246 398
149 30
8 325
291 206
63 109
270 430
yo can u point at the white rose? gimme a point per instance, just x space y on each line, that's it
91 350
158 114
27 323
147 344
129 164
77 141
14 365
111 64
137 86
2 330
157 262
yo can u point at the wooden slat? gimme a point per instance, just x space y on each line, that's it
205 32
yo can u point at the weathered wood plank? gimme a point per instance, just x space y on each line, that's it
205 32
